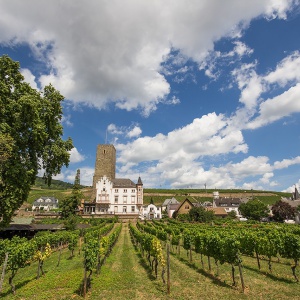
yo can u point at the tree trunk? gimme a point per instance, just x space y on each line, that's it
209 265
294 270
242 277
217 265
201 259
3 271
270 265
257 259
232 274
10 281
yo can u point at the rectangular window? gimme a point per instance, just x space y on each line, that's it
133 191
125 190
116 191
132 199
132 208
124 209
116 199
116 209
125 199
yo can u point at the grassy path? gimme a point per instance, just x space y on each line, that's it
124 275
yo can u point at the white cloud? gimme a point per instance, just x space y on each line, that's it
68 175
135 132
287 70
204 136
104 52
278 107
75 156
66 119
286 163
257 111
29 78
291 189
113 129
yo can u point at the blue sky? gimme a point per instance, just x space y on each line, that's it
189 92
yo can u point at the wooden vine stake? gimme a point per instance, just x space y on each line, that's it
168 269
241 273
84 282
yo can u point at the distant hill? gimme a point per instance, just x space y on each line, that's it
55 184
60 190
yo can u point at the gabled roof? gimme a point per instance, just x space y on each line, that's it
292 203
123 183
219 211
53 200
229 202
184 202
170 201
173 206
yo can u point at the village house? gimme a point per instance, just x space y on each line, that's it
45 203
227 203
149 212
184 207
169 206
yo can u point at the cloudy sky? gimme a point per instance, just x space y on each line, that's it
189 92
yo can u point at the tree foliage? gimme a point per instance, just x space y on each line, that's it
69 205
30 137
200 214
254 209
283 211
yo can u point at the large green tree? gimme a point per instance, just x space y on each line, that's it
254 209
30 137
200 214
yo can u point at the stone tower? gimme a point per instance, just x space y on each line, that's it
105 164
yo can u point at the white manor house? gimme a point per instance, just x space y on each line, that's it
117 196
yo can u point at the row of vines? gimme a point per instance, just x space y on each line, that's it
229 244
18 253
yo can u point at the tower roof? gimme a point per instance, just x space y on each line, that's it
140 181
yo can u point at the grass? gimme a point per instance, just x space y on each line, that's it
127 275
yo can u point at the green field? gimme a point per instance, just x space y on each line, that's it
127 275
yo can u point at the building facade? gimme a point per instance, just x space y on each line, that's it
118 196
111 195
150 212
